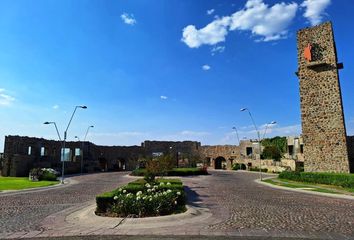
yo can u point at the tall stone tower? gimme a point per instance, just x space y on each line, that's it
323 129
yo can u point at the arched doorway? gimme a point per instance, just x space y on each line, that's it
219 163
103 163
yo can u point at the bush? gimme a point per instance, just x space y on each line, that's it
236 166
175 172
43 174
143 199
337 179
256 169
271 152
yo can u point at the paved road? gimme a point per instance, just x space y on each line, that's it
240 207
24 212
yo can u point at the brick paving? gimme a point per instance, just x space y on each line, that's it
240 207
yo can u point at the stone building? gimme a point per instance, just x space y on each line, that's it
323 129
24 153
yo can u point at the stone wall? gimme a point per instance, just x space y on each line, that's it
23 153
323 129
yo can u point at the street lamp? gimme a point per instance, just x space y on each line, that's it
65 134
259 140
82 156
267 125
61 143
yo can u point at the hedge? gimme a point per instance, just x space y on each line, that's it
337 179
174 172
256 169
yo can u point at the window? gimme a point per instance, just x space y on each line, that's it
43 151
301 148
67 154
291 149
77 152
249 151
29 150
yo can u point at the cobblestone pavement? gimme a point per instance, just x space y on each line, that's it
24 212
240 207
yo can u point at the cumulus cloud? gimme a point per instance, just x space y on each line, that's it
206 67
211 34
210 11
314 10
217 49
5 99
267 23
128 19
163 97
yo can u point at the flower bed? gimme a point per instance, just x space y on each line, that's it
142 199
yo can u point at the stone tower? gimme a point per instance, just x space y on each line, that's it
323 129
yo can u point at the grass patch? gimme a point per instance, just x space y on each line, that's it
19 183
336 179
310 187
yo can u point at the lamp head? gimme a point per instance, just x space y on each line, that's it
273 122
91 126
243 109
48 122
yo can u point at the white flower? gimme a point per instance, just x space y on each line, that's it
150 199
139 193
129 194
178 193
119 190
115 197
175 202
124 191
149 190
137 198
148 185
168 183
144 197
169 190
161 184
164 193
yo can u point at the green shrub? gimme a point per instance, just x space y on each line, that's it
142 199
271 152
48 176
256 169
236 166
175 172
337 179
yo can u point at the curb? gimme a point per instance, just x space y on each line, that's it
87 218
332 195
67 182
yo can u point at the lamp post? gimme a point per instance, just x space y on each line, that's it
65 134
259 140
82 156
267 125
61 143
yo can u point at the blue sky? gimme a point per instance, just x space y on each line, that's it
160 70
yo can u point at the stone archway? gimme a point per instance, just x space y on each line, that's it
219 162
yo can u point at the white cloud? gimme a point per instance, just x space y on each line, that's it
315 10
128 19
210 11
268 23
163 97
217 49
5 99
55 106
211 34
206 67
